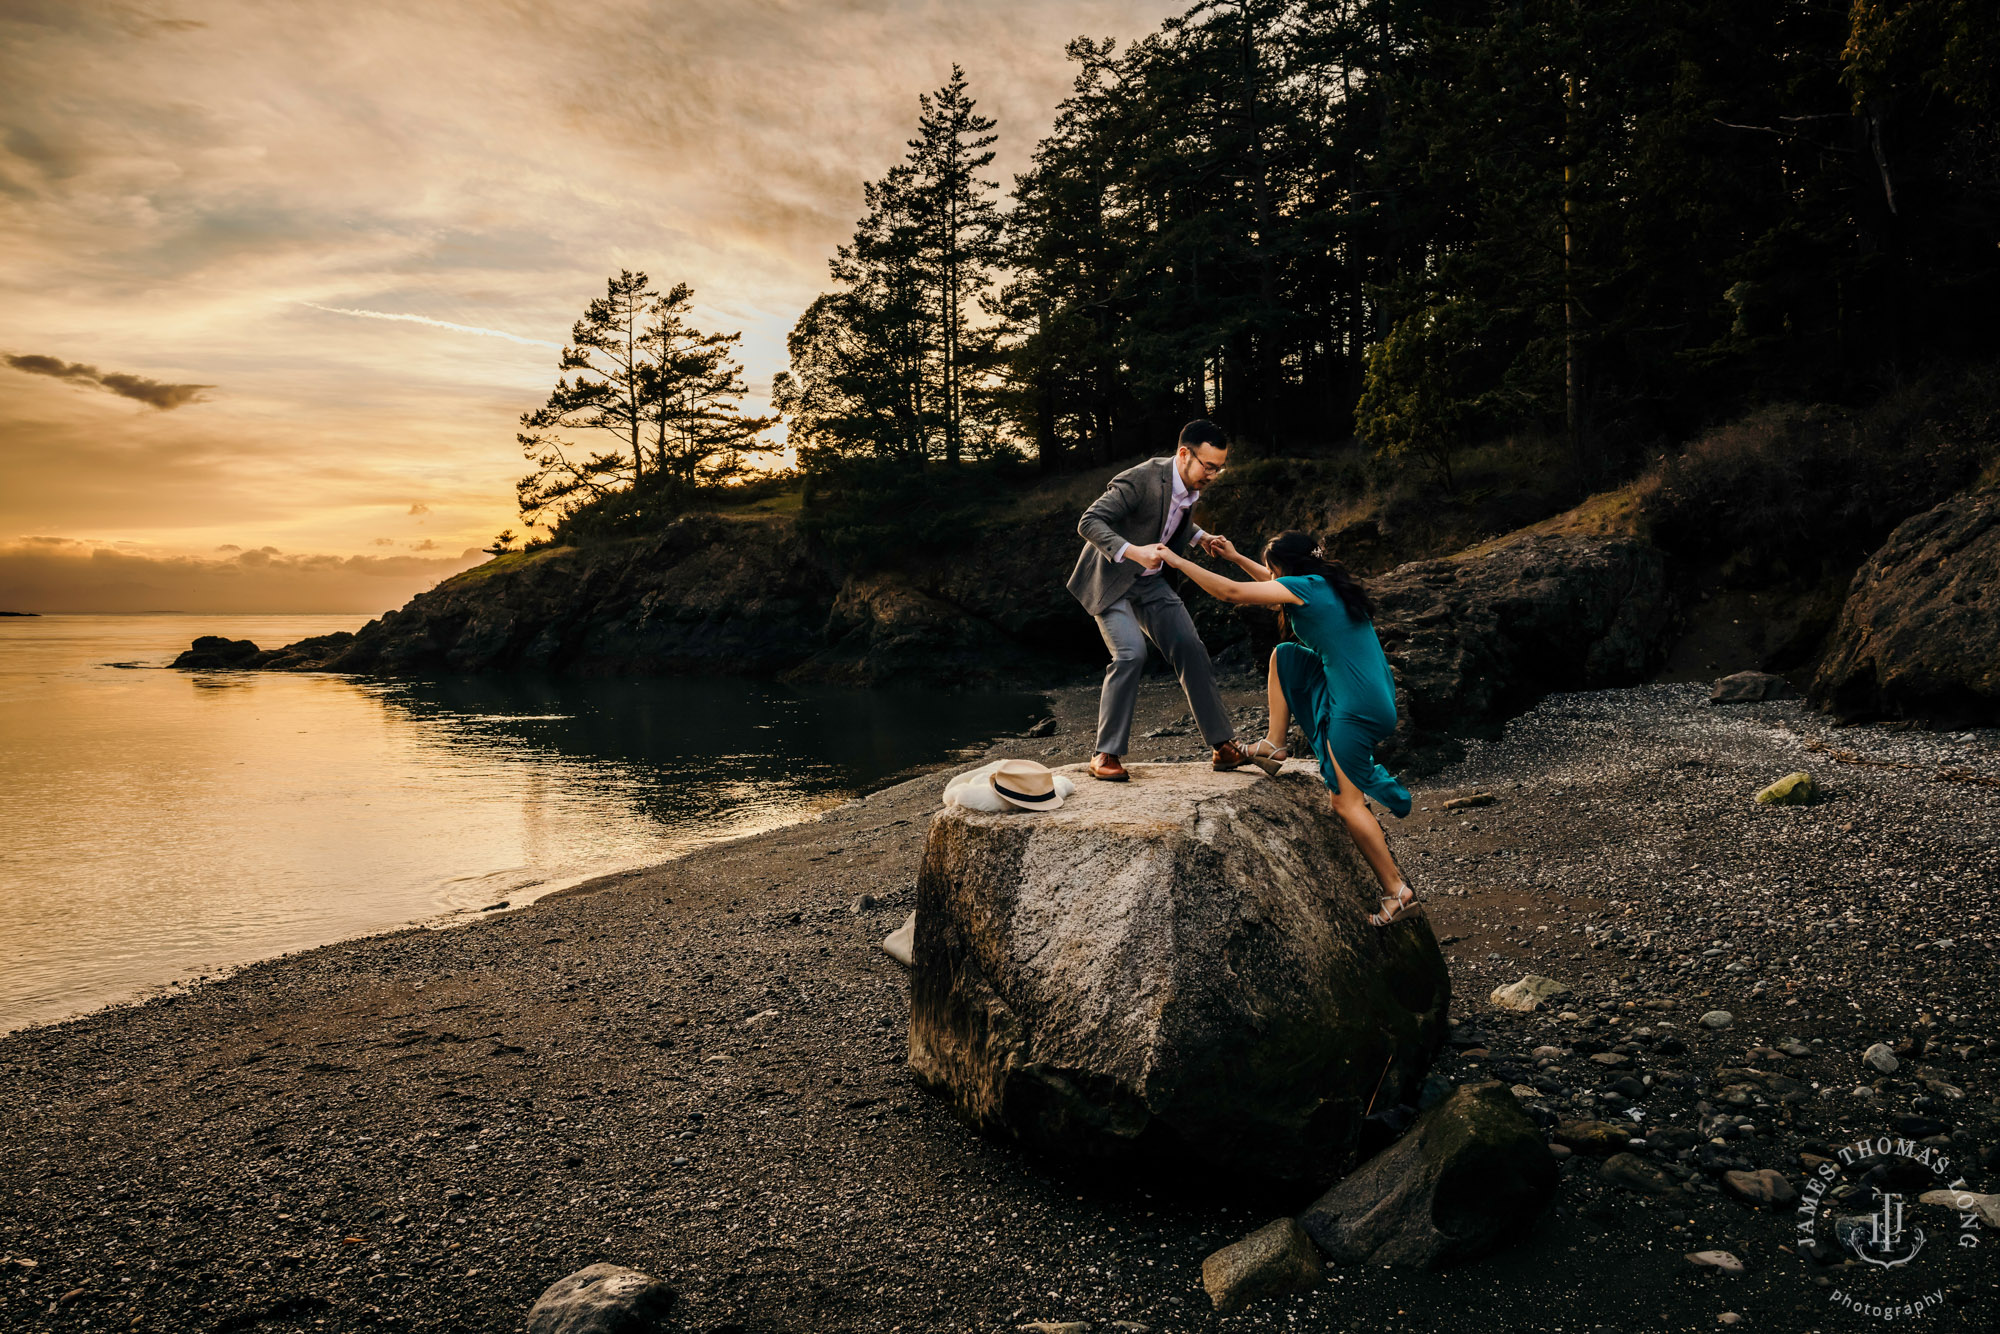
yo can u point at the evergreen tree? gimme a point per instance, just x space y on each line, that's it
958 231
608 397
891 364
693 393
649 381
1632 219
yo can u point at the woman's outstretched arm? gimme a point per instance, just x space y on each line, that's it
1223 547
1263 593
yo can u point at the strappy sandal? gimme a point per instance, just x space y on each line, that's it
1266 756
1394 908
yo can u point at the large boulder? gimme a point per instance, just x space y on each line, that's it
1176 969
1468 1178
1919 634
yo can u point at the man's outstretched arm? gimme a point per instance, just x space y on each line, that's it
1100 523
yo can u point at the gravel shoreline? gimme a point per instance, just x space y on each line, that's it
697 1069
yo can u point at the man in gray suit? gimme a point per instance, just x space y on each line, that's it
1123 584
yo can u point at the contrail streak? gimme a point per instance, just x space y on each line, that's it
435 324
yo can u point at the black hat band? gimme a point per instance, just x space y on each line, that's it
1012 795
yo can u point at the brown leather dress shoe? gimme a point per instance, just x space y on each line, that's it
1109 768
1229 756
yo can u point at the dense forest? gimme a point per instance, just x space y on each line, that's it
1415 225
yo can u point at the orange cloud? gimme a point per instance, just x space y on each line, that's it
55 574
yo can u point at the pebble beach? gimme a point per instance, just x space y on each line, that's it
697 1069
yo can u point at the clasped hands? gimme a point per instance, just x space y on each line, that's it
1154 554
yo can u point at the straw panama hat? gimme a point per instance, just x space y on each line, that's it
1025 784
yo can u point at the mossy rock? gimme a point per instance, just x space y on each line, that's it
1797 789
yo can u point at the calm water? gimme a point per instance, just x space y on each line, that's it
157 825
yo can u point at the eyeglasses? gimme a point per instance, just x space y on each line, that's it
1208 469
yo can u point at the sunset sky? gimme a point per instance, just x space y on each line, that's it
276 279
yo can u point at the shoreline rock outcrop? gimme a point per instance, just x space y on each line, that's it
1919 634
1175 969
1477 638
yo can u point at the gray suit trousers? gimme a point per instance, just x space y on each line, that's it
1152 610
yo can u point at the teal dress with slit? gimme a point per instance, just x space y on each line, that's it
1340 690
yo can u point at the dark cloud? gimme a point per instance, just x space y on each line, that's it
153 393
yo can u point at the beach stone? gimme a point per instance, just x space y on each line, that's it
1748 688
1055 1327
1599 1137
900 944
1720 1261
1966 1202
1174 970
601 1299
1794 789
1765 1187
1880 1059
1631 1172
1276 1259
1467 1179
1472 802
1918 635
1717 1019
1527 994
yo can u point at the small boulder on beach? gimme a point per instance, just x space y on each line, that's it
1600 1137
1276 1259
1794 789
1467 1179
601 1299
1526 995
1629 1171
1749 688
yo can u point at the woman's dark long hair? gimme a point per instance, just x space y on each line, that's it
1296 553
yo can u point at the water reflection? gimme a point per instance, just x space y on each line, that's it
161 823
690 731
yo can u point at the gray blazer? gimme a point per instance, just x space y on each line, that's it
1132 509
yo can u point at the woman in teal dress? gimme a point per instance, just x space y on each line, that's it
1334 680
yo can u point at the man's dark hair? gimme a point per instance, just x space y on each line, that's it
1203 432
